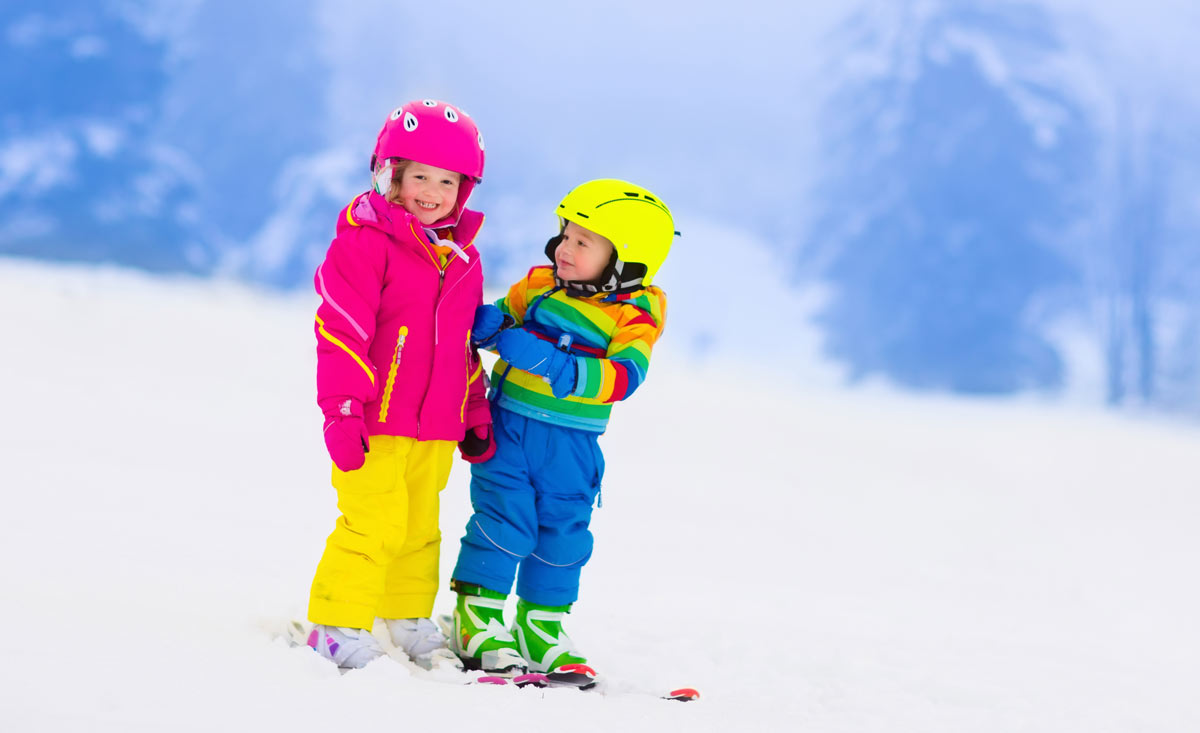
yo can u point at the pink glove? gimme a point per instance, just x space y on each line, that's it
479 444
346 436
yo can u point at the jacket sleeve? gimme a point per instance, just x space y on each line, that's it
617 375
349 282
479 410
516 302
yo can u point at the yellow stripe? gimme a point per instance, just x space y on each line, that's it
462 411
608 380
401 336
351 218
337 342
425 245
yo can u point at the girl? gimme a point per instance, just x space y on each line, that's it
398 381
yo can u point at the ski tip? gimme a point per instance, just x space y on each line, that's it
491 680
576 669
683 694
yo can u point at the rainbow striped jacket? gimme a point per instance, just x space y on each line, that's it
612 336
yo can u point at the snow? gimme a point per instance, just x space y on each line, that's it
810 559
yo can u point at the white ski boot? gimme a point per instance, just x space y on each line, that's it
347 648
423 642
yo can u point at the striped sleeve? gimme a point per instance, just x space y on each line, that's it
616 376
515 303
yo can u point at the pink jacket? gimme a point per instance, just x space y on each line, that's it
393 327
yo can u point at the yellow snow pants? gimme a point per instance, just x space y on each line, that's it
382 558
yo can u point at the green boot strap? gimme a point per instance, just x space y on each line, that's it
468 589
524 604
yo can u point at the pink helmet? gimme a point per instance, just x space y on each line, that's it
434 133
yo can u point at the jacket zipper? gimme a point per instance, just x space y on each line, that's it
401 337
436 304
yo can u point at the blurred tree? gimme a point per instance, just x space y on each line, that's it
955 168
1149 289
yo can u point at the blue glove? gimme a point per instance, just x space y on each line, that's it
489 322
528 352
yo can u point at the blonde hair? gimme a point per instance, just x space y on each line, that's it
398 168
399 165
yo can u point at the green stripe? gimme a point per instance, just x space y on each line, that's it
569 313
595 377
547 403
634 351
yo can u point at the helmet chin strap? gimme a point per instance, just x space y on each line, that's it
617 277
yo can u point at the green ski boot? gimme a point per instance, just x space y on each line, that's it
480 639
547 648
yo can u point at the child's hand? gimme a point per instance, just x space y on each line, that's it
528 352
346 436
479 444
489 322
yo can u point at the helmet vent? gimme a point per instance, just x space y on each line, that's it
580 213
451 114
410 121
631 195
651 198
429 102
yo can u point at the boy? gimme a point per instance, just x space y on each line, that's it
573 338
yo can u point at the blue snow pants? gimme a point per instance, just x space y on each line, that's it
533 503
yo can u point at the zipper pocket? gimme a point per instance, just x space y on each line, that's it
401 336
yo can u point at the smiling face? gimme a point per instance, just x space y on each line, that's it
582 254
427 192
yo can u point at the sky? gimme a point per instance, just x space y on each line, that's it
222 138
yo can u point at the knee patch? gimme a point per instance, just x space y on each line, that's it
489 532
564 550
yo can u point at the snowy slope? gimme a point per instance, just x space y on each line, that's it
827 561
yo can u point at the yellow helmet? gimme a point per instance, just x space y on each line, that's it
637 223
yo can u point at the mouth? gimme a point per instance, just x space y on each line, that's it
427 206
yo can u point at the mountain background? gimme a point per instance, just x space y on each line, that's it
990 198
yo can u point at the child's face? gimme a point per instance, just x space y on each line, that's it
582 254
427 192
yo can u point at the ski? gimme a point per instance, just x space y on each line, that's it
579 676
296 635
683 694
573 675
